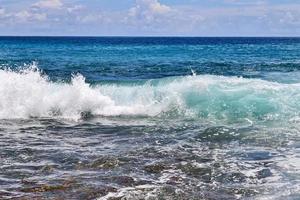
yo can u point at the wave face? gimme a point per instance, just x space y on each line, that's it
28 93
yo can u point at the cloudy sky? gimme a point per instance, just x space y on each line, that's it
150 17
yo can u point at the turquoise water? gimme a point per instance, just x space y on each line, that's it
149 118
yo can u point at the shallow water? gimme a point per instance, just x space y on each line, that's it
90 159
149 118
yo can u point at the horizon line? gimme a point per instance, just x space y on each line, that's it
152 36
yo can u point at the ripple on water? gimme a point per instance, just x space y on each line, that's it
145 162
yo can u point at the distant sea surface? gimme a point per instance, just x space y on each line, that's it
149 118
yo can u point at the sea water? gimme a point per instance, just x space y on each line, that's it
149 118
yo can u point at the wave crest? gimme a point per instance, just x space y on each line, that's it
28 93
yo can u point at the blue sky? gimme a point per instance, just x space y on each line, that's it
150 17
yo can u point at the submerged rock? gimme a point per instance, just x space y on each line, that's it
105 162
100 163
44 188
123 180
196 170
155 168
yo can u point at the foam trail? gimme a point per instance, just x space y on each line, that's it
27 94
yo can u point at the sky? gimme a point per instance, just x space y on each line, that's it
150 17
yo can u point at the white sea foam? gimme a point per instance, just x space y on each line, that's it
27 93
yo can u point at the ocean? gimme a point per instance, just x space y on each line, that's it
149 118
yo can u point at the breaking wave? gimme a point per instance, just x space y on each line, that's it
28 93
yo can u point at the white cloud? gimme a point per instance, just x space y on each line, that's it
148 8
90 18
75 8
25 16
152 17
50 4
22 16
156 7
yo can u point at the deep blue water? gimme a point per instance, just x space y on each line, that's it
126 58
149 118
